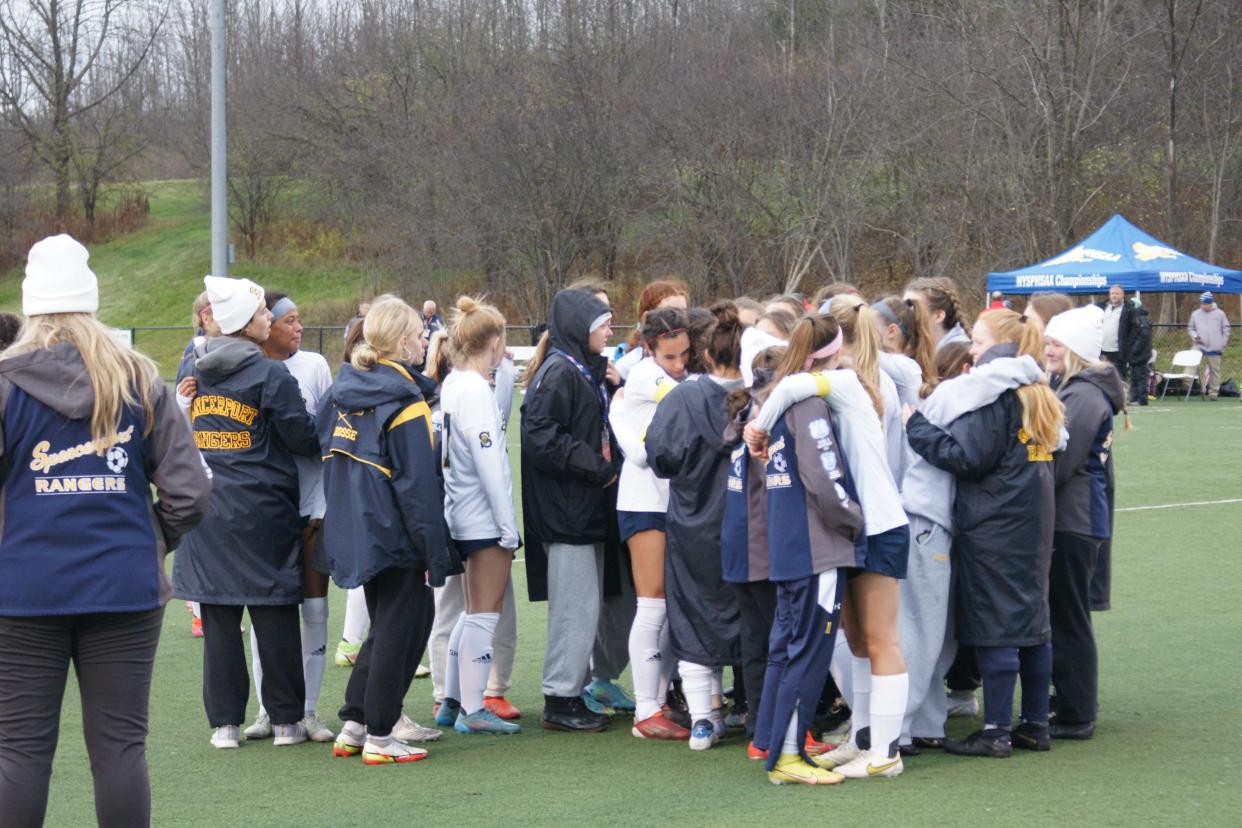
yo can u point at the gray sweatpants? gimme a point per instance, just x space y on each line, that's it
450 603
612 640
575 589
924 624
113 655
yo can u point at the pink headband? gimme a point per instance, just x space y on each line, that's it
825 352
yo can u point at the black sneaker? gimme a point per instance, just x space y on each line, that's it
676 710
928 743
571 715
994 743
1031 736
909 750
1071 730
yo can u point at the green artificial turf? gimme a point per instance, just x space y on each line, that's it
1171 693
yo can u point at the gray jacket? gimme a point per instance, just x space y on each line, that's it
1209 329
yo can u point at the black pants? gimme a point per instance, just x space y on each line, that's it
113 655
226 682
402 611
757 603
1075 669
1115 358
1138 382
964 672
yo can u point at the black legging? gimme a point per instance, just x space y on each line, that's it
1075 667
402 611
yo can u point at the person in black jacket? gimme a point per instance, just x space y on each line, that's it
1139 356
1092 393
384 527
1118 327
249 420
568 468
1001 455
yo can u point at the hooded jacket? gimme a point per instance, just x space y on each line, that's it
565 471
685 445
249 421
1084 469
1210 330
1004 518
79 531
385 507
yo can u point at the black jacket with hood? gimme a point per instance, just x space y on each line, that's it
385 506
79 531
1084 468
1004 518
566 491
249 420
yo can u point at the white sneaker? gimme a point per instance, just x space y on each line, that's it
962 704
290 734
866 766
226 736
389 751
316 730
422 671
408 730
843 754
261 729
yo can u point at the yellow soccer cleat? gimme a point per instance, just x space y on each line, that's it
791 770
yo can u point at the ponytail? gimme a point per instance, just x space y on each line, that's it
723 338
912 318
859 324
940 293
536 360
472 325
809 335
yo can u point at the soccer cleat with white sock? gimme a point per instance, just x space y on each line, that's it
316 730
844 753
261 729
350 740
226 736
868 766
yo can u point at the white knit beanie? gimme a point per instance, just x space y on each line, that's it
233 301
58 279
1081 330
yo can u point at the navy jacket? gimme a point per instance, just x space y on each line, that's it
249 420
385 506
1004 519
79 531
685 445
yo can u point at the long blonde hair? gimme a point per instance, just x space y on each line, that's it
860 327
1042 412
386 323
119 376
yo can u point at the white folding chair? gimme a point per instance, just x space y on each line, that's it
1188 361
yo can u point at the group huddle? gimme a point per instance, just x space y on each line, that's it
728 489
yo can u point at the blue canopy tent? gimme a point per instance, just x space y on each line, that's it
1118 254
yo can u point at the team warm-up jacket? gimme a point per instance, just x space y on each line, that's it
685 445
1084 469
565 475
1003 514
79 531
744 523
813 517
385 507
249 421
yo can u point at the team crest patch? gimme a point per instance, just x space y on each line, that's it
829 460
819 428
779 463
485 439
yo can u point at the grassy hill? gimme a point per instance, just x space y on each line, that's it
151 276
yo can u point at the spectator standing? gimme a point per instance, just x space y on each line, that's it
1209 328
1118 328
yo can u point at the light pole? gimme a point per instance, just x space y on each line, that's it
219 147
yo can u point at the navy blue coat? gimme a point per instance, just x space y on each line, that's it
385 507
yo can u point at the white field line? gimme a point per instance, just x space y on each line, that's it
1180 505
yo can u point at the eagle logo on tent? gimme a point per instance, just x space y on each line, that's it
1082 255
1147 252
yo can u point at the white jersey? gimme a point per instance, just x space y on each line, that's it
639 490
314 379
478 485
628 360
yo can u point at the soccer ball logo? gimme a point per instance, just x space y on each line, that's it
117 459
779 463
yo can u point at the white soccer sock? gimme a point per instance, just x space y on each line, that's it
314 646
474 661
646 658
452 668
256 668
860 704
696 684
357 619
197 610
717 689
888 707
793 742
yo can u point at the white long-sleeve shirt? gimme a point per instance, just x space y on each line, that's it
314 379
639 490
478 485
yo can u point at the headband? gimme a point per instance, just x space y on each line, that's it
668 333
203 310
282 308
884 310
826 351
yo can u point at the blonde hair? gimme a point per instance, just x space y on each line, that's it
438 363
472 324
911 316
1042 412
119 376
862 334
1075 365
386 323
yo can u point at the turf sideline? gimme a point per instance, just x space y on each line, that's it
1180 505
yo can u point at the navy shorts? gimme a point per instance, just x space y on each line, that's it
465 547
888 553
631 523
